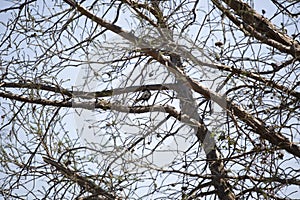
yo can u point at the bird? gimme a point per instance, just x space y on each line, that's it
146 95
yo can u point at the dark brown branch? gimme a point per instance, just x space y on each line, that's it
85 94
80 180
259 27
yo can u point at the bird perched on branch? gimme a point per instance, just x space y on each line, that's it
145 96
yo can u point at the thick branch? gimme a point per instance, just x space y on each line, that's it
260 128
80 180
259 27
84 94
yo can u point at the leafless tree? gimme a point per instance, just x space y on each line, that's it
154 99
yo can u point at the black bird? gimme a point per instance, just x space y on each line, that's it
146 95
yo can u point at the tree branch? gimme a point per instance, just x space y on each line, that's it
80 180
259 27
